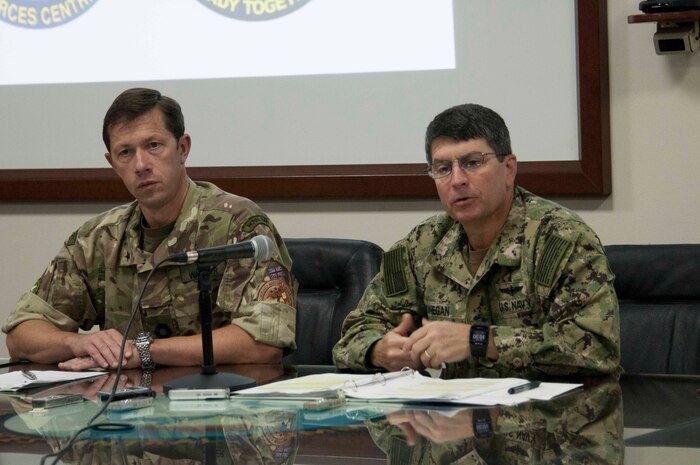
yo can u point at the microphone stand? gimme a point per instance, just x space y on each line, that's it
208 378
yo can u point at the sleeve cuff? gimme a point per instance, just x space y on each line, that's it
270 323
33 307
512 348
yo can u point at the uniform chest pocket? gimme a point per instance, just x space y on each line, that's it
190 273
513 305
170 305
443 311
449 301
157 313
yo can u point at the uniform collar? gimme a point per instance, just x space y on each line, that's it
448 257
187 221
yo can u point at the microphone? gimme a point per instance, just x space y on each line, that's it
260 248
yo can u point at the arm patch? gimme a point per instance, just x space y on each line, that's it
394 265
555 249
254 221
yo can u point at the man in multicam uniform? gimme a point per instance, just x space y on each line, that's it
99 272
503 280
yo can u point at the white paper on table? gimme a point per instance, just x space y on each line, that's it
16 380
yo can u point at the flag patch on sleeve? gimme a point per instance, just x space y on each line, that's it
394 266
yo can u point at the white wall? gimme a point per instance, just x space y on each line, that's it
654 104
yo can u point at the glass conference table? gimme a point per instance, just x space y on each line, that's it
639 419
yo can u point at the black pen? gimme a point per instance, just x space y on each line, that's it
523 387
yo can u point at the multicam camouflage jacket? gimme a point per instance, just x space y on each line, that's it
544 285
99 272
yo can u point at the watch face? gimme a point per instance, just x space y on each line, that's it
481 422
478 340
482 427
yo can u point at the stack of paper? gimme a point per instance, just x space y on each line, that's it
410 386
17 380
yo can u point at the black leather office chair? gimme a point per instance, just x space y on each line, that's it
332 275
658 287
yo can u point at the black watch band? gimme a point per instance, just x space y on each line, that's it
478 340
481 423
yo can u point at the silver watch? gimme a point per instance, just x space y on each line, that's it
143 345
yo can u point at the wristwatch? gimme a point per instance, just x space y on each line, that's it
481 423
478 340
143 344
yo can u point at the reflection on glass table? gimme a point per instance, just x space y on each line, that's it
658 425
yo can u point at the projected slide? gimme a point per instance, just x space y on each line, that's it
78 41
286 82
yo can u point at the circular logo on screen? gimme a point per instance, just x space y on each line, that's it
41 14
254 10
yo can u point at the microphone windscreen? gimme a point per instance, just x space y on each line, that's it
264 247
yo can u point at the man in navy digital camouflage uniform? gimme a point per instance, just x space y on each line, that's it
502 280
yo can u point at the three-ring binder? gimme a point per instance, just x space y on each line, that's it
377 378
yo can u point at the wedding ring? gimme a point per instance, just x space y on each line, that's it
428 353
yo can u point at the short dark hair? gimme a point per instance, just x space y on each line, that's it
133 103
466 122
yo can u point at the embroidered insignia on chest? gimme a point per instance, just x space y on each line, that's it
394 265
555 249
511 290
190 273
507 306
438 310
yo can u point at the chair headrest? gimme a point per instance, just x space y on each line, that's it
656 271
